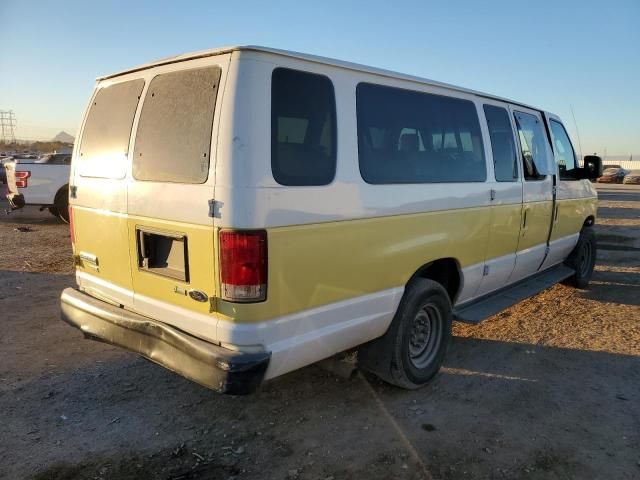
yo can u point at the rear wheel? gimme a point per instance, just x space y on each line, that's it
411 352
53 211
582 259
61 204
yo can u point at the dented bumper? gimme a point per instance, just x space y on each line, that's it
215 367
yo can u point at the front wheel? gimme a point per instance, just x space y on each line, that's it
411 352
582 259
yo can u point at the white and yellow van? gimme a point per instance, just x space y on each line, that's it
243 212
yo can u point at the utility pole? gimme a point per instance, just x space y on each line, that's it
7 126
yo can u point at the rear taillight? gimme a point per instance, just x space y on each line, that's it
243 265
21 179
71 230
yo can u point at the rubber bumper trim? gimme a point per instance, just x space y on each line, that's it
221 369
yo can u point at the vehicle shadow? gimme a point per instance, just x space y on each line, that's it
618 213
29 215
614 287
496 405
628 194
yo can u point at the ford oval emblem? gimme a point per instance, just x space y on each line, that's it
198 296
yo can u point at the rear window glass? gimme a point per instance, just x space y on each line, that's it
107 130
174 131
303 128
413 137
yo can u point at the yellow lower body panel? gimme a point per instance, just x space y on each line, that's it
571 215
201 262
103 235
536 222
505 230
318 264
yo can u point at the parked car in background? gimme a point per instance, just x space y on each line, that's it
633 177
44 183
612 175
54 159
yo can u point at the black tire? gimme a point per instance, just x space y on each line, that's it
582 259
53 211
412 350
61 204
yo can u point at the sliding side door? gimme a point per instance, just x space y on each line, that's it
537 192
506 199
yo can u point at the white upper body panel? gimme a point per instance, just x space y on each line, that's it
240 176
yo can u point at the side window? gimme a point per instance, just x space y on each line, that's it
505 158
563 150
533 144
174 131
412 137
303 128
107 130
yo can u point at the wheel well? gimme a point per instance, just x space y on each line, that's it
60 190
445 271
589 221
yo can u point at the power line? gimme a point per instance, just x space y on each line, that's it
7 126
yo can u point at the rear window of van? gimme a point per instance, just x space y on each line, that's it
413 137
107 130
173 140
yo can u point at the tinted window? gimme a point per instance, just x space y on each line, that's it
413 137
174 132
105 138
533 145
563 150
505 158
303 128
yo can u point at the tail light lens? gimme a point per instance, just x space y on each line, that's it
21 179
72 233
243 265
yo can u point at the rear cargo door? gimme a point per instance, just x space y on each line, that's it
98 191
171 185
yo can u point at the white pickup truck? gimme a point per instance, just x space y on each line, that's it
43 182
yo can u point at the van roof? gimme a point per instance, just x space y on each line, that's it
311 58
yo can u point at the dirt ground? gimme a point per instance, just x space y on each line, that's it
549 389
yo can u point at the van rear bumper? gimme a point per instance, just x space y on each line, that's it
215 367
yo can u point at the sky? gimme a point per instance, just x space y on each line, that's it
558 55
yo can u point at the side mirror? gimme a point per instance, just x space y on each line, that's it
592 167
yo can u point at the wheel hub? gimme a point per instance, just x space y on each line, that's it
426 330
